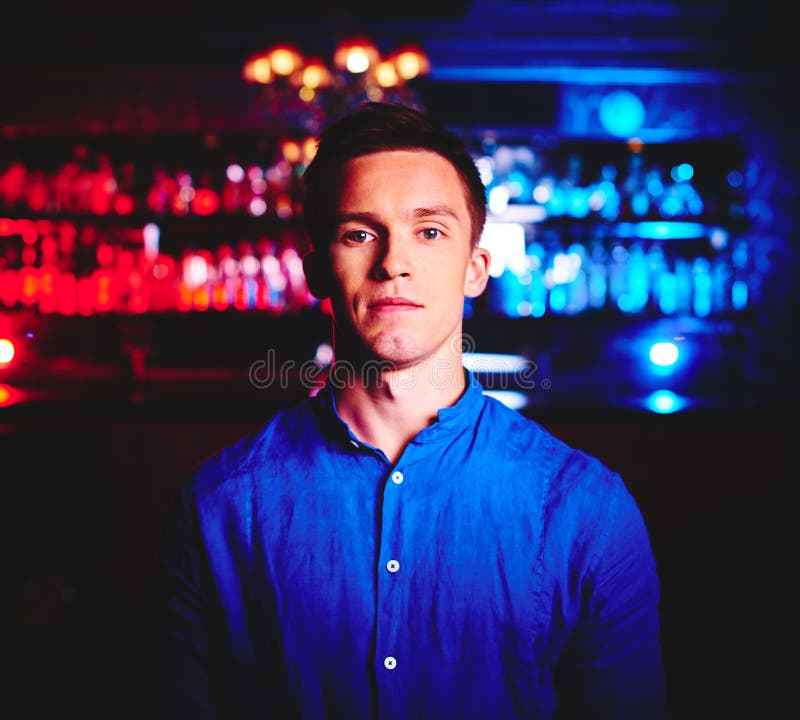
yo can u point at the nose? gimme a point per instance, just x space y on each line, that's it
394 259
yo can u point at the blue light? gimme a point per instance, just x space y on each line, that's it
666 230
558 298
664 354
682 172
640 203
622 113
670 206
667 293
665 402
739 295
588 76
578 203
735 178
625 303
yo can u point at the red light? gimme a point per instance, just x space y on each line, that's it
8 287
104 285
28 285
139 301
27 228
86 295
220 297
67 291
205 202
200 298
185 298
105 254
123 204
10 395
47 289
240 296
7 351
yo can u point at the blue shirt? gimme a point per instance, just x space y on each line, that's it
492 572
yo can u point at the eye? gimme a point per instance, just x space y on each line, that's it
431 233
358 237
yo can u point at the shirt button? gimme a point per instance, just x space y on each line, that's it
390 663
392 566
397 477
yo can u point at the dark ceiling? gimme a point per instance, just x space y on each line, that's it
222 33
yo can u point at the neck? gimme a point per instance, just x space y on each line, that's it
387 408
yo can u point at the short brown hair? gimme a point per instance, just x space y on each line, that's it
377 127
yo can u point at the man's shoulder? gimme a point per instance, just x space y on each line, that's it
565 464
277 438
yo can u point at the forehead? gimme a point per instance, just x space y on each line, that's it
401 177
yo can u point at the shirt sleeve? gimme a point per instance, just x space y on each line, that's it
179 673
612 665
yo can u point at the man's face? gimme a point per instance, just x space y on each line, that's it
401 258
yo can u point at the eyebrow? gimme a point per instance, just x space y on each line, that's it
435 210
415 213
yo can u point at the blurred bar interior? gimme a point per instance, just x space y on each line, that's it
640 161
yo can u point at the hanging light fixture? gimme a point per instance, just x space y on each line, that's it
301 94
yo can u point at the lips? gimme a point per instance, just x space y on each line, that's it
393 303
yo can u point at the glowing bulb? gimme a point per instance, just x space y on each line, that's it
410 63
386 74
357 60
315 75
284 60
7 351
664 354
260 71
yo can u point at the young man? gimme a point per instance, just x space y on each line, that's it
400 545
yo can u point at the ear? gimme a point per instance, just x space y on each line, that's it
477 272
316 268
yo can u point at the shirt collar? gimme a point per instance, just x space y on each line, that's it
449 419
